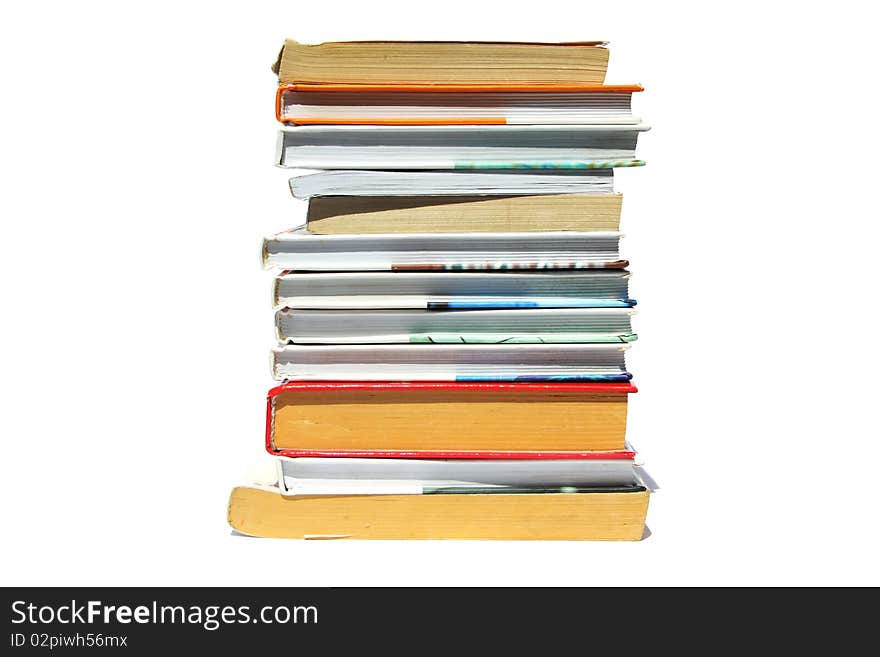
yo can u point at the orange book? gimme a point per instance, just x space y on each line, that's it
490 420
454 104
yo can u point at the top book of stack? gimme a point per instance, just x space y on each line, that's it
439 62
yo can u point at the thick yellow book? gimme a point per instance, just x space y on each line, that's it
326 418
329 215
465 62
606 516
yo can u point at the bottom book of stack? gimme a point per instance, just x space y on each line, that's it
600 499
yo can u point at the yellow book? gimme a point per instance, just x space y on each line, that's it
608 516
445 419
415 62
329 215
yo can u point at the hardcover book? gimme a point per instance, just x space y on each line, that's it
454 104
448 290
458 146
301 250
451 362
451 326
453 183
448 420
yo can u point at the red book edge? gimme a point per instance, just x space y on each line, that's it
619 388
622 455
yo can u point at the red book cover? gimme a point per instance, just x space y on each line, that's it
329 386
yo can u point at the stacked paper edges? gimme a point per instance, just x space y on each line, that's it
453 316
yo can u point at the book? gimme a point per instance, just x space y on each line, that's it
488 420
610 514
451 362
445 104
418 62
445 290
425 476
461 326
457 146
452 183
300 250
339 215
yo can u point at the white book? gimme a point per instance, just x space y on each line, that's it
451 362
377 476
502 106
457 147
453 290
452 183
545 325
300 250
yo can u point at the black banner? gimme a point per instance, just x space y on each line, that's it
146 620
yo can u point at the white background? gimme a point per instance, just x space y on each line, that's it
137 182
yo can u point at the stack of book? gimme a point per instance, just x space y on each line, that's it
453 315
